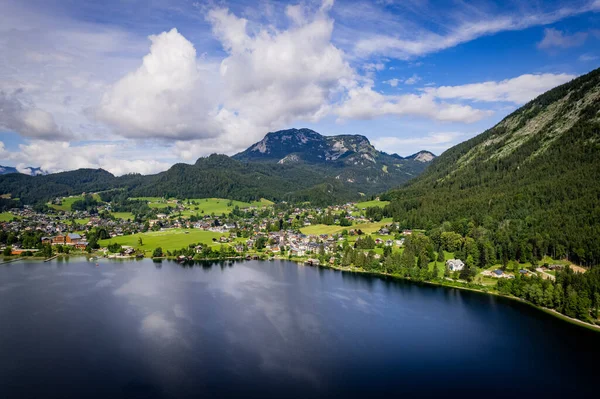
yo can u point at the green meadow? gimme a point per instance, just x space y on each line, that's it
7 217
168 240
123 215
68 201
370 204
367 228
217 206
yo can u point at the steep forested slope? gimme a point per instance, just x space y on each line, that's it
533 179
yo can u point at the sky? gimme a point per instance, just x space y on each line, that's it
134 86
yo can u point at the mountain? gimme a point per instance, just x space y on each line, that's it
4 170
290 165
421 156
350 159
308 146
534 176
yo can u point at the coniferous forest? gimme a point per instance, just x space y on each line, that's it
530 185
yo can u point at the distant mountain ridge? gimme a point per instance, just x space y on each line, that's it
33 171
291 165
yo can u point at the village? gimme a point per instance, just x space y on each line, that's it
203 229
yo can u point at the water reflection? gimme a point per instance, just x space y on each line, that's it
166 329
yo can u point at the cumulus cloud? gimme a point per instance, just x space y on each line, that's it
28 120
554 38
392 82
268 79
168 96
365 103
275 77
517 90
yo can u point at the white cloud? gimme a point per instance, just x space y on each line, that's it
587 57
412 80
116 158
556 38
372 67
268 80
275 77
168 96
517 90
392 82
436 142
365 103
469 25
29 121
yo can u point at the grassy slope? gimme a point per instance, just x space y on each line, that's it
68 201
368 204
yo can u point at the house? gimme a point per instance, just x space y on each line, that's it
455 265
46 240
58 240
389 243
378 241
81 245
498 272
72 238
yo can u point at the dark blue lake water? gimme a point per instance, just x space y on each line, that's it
138 329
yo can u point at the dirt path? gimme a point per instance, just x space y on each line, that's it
545 275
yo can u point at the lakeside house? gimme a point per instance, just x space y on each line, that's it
72 239
455 265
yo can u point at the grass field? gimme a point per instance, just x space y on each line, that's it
441 265
123 215
367 228
368 204
221 205
149 199
68 201
168 240
217 206
7 217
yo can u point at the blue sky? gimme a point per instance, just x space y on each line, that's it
135 86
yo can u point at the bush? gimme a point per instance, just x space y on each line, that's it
158 253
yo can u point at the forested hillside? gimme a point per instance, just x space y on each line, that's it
531 184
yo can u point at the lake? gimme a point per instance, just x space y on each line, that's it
139 329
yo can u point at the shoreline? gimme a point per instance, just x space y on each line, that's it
552 312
